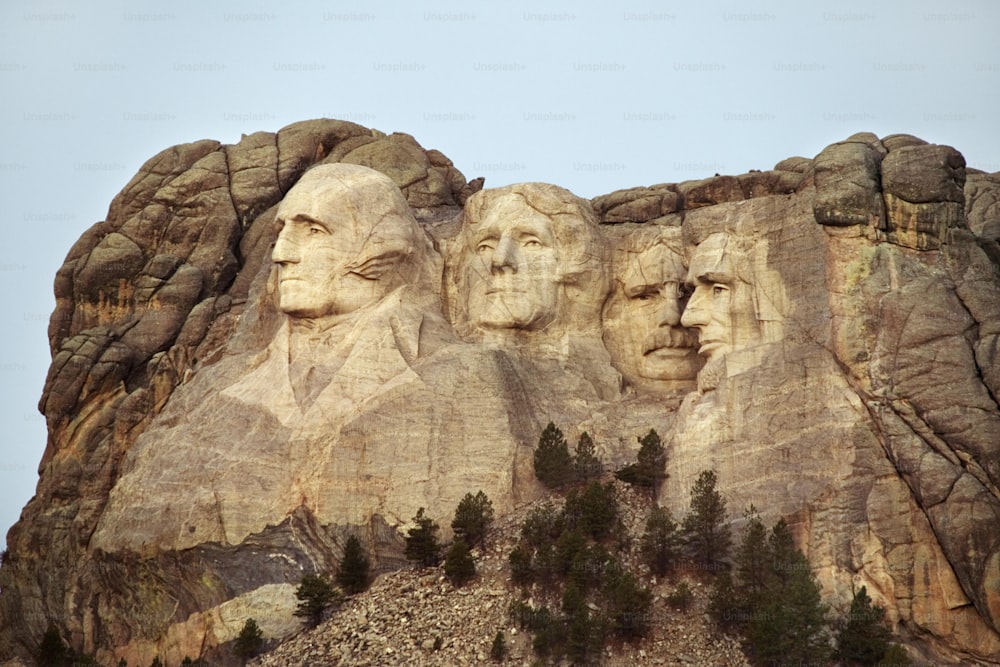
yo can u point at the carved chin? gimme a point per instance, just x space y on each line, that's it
678 363
511 311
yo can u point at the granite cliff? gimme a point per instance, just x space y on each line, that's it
824 334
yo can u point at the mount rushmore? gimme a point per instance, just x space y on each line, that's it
270 346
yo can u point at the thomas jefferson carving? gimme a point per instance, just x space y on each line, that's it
642 319
531 265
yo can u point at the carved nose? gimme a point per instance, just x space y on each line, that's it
505 255
285 250
694 314
669 312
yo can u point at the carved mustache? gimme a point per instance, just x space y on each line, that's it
670 337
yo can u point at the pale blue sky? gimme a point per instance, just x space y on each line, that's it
593 96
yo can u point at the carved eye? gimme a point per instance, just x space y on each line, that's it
486 246
531 242
646 295
719 289
315 230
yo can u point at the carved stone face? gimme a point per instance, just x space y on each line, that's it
710 308
344 236
643 322
514 274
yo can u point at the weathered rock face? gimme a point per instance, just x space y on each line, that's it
230 398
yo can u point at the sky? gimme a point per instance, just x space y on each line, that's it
592 96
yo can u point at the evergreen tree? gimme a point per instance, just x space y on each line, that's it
594 510
53 651
421 541
895 657
705 529
787 622
660 541
520 565
352 572
585 460
542 526
752 556
473 516
628 604
315 594
249 641
156 662
648 470
498 650
863 637
122 662
553 463
458 564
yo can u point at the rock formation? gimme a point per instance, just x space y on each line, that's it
270 346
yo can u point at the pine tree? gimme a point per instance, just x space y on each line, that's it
498 650
315 594
787 622
752 556
352 573
542 525
458 564
473 516
585 460
249 641
705 529
660 541
628 604
53 651
594 510
553 463
863 637
156 662
421 541
648 470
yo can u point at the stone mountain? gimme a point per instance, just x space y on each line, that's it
270 346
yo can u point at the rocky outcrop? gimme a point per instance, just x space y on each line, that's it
198 464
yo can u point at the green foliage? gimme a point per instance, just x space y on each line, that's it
681 597
660 543
458 564
249 642
863 636
895 657
628 604
473 516
594 510
773 599
569 544
542 526
315 594
421 541
53 652
353 570
156 662
585 462
705 529
122 662
498 650
520 565
648 470
752 555
553 463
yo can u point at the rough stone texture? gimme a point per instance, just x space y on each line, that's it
186 485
